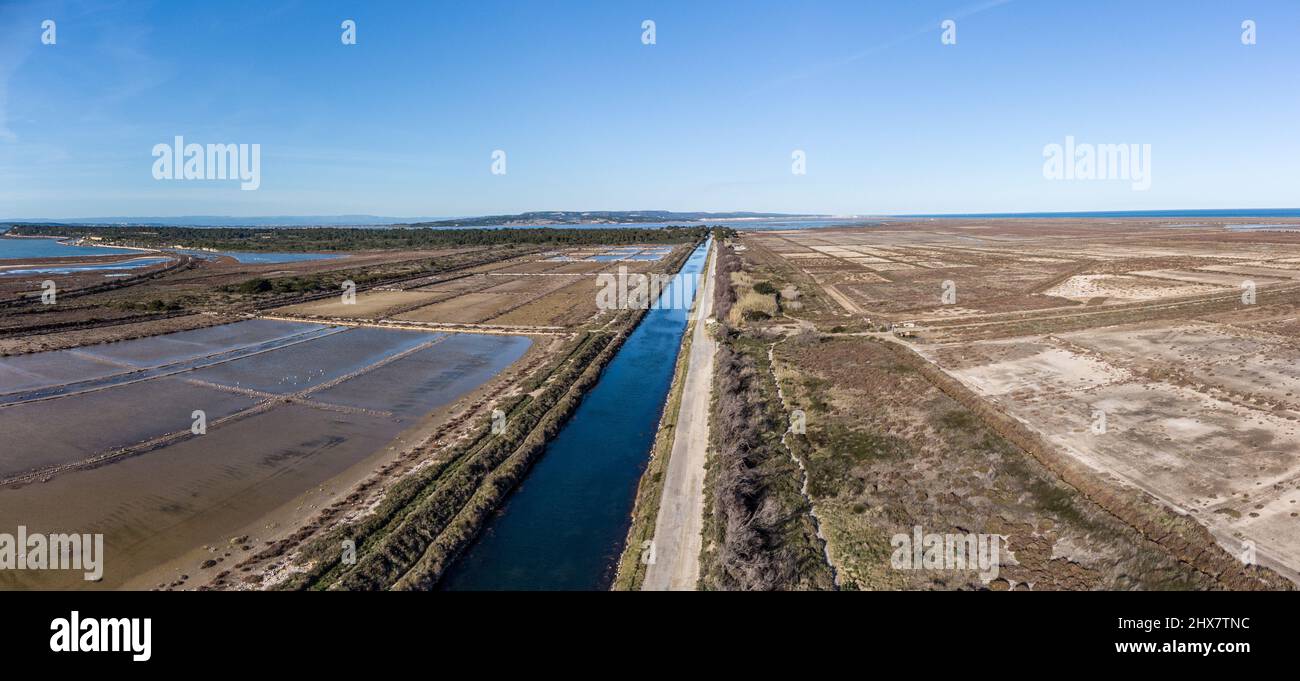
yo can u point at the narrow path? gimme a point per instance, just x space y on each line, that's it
678 527
844 301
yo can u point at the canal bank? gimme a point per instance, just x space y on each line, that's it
564 526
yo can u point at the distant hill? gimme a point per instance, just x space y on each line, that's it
559 217
597 217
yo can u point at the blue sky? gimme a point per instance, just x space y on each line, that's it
404 123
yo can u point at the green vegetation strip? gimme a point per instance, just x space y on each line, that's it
358 239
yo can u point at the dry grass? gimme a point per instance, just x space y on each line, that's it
752 305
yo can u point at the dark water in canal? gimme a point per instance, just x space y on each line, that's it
564 527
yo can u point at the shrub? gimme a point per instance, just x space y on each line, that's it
255 286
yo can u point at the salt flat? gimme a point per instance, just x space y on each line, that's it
123 458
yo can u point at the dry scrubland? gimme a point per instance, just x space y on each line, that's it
759 531
981 414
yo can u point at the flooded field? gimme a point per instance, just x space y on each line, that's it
314 362
102 439
130 264
175 347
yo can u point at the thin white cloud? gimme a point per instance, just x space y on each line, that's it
929 28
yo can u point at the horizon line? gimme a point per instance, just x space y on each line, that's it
765 215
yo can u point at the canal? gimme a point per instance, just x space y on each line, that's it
564 527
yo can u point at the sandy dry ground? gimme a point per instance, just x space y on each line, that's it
1121 287
1203 416
1162 356
677 538
900 271
368 304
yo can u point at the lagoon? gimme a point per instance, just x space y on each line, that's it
259 258
35 247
